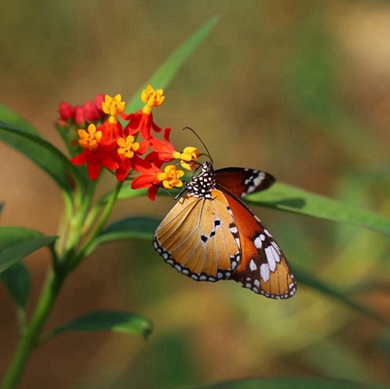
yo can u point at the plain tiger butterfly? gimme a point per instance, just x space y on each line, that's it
211 235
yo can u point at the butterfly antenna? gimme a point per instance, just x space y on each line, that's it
201 141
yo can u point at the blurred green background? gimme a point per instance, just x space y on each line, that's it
300 89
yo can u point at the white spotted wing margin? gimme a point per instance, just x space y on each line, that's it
264 268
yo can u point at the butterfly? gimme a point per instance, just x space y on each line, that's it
210 234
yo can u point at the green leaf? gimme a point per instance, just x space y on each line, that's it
17 242
18 282
166 72
284 197
310 280
288 198
7 115
131 227
126 192
43 154
1 207
109 320
128 228
292 383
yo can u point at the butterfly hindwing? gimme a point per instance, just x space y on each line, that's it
241 181
199 238
263 267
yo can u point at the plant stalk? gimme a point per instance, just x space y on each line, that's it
30 337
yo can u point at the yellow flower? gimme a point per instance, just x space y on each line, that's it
170 177
188 155
151 98
90 139
127 146
113 106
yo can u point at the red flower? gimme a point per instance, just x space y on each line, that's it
128 152
165 149
112 128
97 151
113 106
142 120
154 178
148 179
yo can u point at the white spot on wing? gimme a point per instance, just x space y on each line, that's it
272 257
264 272
252 265
258 243
277 248
256 181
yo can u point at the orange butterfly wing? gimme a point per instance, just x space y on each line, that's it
263 267
199 239
241 181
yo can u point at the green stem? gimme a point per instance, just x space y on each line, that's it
62 266
85 250
29 339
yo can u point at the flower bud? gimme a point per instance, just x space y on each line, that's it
79 117
98 102
91 113
67 111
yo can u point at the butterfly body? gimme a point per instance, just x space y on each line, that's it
211 235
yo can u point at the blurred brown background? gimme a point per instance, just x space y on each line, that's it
297 88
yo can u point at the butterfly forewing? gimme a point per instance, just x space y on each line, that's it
263 267
241 181
199 238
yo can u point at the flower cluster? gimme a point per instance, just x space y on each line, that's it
114 146
90 112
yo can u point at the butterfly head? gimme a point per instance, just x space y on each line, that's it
202 184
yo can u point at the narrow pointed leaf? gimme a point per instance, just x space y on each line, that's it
109 320
17 242
166 72
131 227
18 282
312 281
284 197
7 115
128 228
291 199
125 193
292 383
42 153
